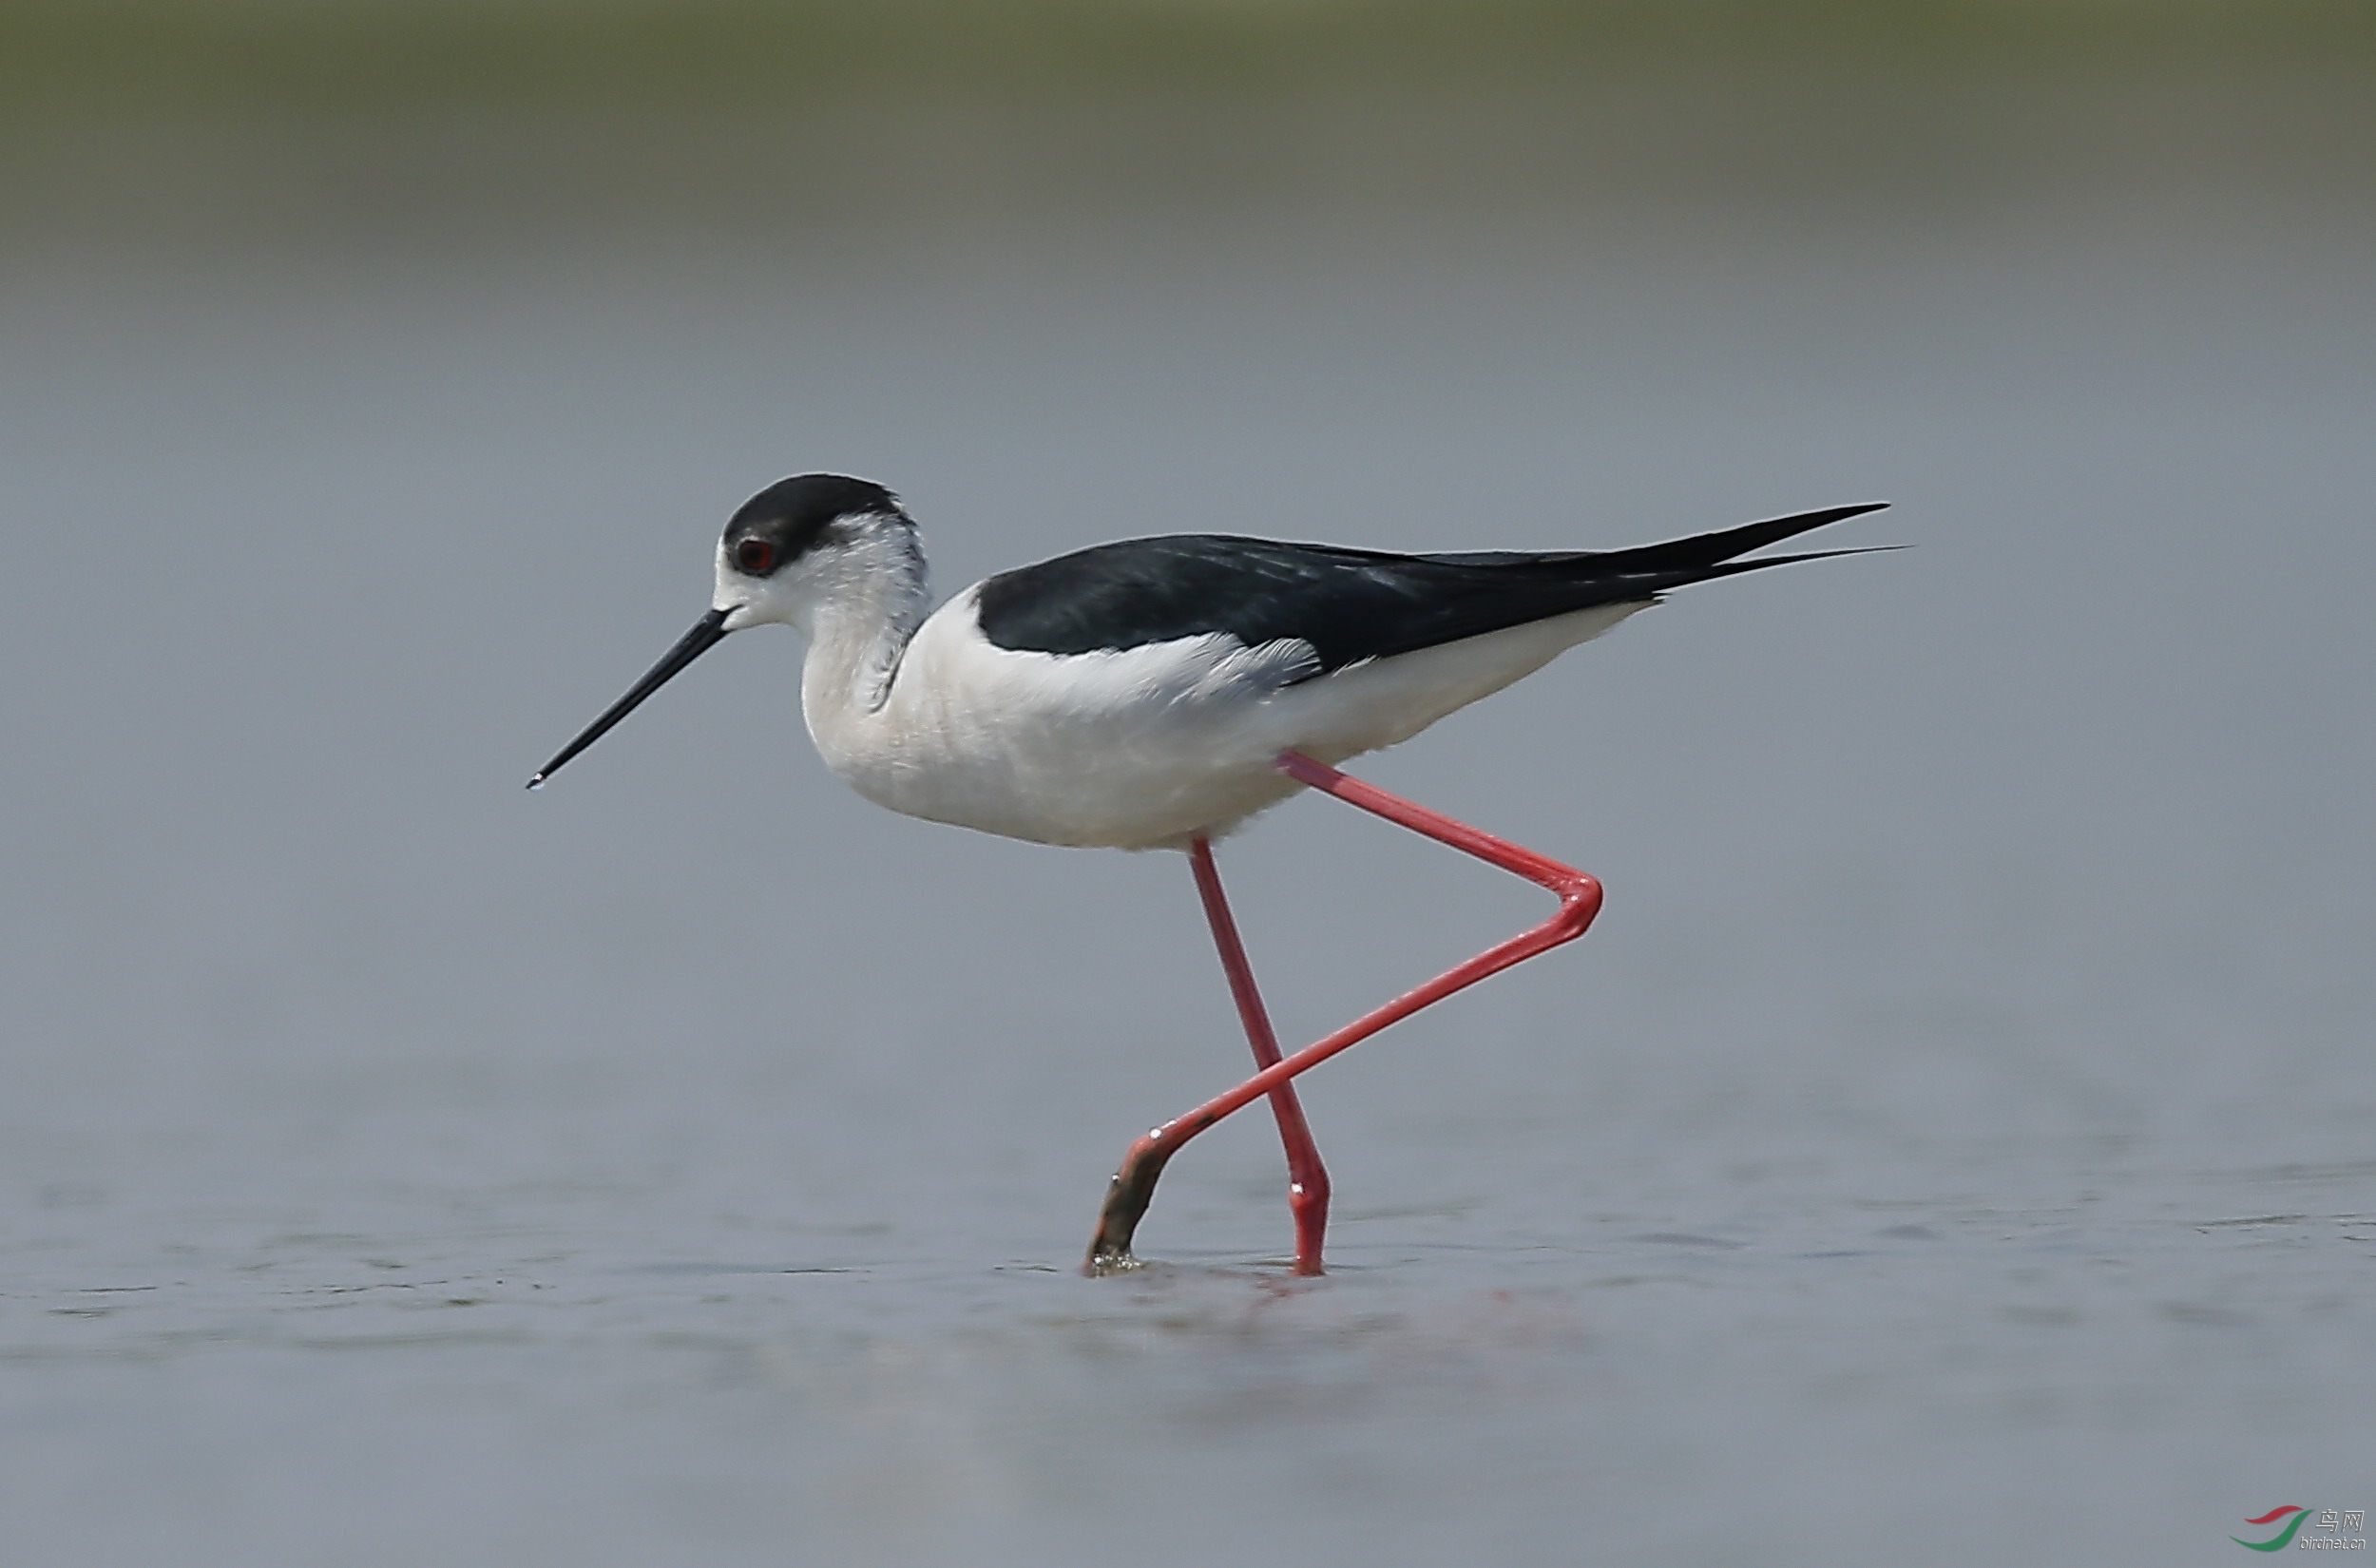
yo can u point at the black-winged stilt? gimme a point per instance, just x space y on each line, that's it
1154 694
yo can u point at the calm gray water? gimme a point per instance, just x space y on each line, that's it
1956 1143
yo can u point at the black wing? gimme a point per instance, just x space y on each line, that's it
1348 604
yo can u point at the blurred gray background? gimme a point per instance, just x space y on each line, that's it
1957 1140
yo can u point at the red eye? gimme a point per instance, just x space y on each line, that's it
756 556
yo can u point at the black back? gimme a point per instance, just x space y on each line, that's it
1348 604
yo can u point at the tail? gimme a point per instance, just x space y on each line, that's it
1712 554
1649 570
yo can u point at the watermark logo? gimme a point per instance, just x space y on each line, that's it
2332 1530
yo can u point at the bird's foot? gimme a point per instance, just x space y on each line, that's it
1126 1200
1103 1264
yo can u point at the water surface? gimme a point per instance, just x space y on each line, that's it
1953 1143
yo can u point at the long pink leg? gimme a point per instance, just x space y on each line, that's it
1132 1186
1307 1181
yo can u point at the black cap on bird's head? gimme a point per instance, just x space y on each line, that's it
780 523
772 529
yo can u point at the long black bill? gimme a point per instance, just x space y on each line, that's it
705 635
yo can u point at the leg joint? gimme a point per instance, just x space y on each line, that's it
1580 903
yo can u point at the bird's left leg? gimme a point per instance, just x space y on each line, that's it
1307 1179
1133 1187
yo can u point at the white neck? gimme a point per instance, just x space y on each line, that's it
863 602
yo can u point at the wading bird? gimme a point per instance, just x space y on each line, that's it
1154 694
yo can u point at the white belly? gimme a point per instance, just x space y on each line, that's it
1150 746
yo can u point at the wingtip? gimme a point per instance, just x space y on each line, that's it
1822 555
1830 515
1758 563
